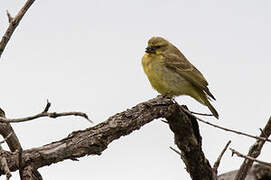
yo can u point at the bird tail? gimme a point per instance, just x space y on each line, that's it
212 109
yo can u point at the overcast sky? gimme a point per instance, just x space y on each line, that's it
86 56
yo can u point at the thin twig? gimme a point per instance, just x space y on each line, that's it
254 152
201 114
13 24
249 157
44 113
10 18
227 129
216 164
3 141
48 105
176 151
164 121
263 133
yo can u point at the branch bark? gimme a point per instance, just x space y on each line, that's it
254 152
94 140
14 145
188 140
257 172
44 113
13 23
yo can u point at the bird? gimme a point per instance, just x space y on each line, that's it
171 74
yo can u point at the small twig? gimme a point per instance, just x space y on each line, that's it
20 160
164 121
48 105
13 24
226 129
176 151
216 164
263 133
44 113
201 114
10 18
3 141
249 157
254 152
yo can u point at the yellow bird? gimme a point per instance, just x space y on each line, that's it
171 74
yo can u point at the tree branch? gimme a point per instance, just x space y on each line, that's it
216 164
187 138
94 140
45 113
11 138
13 23
262 138
249 157
254 152
257 172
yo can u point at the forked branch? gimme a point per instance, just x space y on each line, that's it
13 23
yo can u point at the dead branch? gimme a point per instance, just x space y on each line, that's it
30 173
201 114
216 164
94 140
262 138
11 138
13 23
10 18
175 150
249 157
254 152
5 139
187 138
44 113
257 172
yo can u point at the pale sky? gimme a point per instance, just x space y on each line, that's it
86 56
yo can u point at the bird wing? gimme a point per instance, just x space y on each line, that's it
182 66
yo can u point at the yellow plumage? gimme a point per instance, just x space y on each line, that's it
171 74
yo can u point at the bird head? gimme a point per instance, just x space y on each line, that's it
157 45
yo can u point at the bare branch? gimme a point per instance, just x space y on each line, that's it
5 139
48 105
94 140
188 140
229 130
249 157
44 113
30 173
13 24
164 121
201 114
216 164
254 152
10 18
175 150
257 172
11 138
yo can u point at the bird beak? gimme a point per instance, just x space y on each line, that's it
150 49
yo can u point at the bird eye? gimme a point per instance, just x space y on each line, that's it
157 47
